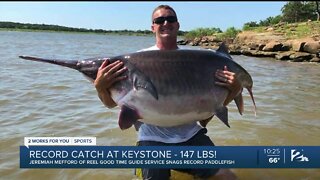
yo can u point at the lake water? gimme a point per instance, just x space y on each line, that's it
40 100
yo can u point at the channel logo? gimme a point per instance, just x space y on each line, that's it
298 156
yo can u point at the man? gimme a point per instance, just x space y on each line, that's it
165 26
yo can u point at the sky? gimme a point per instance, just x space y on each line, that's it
111 15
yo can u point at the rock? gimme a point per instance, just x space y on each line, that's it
297 45
214 47
204 40
197 39
213 39
193 44
316 37
266 54
234 47
182 42
261 46
271 43
256 53
315 59
284 55
312 47
270 29
300 56
253 46
286 47
235 52
258 38
272 46
249 52
204 44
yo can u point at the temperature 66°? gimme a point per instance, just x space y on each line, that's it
274 160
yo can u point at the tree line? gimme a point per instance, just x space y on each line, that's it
292 12
45 27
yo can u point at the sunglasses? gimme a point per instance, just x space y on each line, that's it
161 20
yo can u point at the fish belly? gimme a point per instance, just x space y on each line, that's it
169 110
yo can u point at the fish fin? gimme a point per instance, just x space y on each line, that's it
224 49
239 102
204 122
254 103
222 114
142 81
128 116
137 125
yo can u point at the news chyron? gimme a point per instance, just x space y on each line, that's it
82 152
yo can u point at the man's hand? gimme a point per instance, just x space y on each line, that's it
107 75
228 79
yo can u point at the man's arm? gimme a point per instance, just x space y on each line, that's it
105 98
107 75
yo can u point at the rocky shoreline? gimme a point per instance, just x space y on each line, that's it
267 44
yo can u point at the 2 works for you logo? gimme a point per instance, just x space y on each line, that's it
59 141
298 156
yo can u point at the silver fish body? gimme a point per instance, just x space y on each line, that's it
168 88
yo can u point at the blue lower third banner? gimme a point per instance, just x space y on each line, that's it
170 157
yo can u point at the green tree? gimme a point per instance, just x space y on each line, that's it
231 32
249 25
200 32
276 19
298 11
270 20
317 4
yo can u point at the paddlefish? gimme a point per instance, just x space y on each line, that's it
167 87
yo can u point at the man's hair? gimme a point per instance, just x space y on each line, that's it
163 7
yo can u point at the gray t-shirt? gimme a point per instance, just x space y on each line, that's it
174 134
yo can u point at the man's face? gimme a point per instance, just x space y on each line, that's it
165 28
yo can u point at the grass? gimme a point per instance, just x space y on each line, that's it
293 30
288 30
